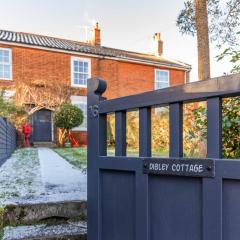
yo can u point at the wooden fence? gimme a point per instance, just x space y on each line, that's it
7 139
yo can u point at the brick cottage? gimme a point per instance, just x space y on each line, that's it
42 72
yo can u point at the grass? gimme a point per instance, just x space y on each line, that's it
76 156
20 175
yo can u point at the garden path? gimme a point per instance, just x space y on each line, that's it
59 176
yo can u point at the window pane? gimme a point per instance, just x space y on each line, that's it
86 67
161 79
6 53
6 68
75 67
6 75
75 78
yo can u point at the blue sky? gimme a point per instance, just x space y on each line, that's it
125 24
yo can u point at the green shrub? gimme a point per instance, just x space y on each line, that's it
66 117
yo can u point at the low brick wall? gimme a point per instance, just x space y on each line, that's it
7 139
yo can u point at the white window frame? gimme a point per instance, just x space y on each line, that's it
155 78
72 70
75 100
10 63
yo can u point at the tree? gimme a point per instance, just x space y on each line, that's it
66 117
233 54
224 24
201 21
15 114
42 94
224 21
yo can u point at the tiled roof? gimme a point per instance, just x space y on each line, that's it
70 45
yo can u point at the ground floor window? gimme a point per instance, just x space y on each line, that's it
81 102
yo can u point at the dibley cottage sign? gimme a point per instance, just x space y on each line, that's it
179 167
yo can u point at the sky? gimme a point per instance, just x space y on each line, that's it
125 24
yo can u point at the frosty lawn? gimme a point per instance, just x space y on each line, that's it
75 156
20 176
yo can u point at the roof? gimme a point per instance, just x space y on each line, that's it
35 40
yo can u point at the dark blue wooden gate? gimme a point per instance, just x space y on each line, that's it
127 203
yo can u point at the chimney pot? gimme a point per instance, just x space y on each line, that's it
158 44
96 35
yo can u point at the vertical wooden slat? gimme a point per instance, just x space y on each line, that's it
176 130
145 132
142 218
212 188
214 128
120 135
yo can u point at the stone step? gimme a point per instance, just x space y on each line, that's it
44 144
24 212
69 231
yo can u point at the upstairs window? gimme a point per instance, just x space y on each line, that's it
161 79
81 71
5 64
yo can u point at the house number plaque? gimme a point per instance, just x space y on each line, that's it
180 167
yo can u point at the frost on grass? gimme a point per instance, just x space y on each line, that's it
76 156
20 176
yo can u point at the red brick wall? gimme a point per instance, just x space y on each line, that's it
123 78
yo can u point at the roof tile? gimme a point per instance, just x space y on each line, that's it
70 45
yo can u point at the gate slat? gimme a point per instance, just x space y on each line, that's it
212 188
142 180
145 132
120 141
214 122
176 130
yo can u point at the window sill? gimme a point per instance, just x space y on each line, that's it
6 79
79 86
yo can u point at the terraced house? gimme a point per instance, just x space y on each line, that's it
42 72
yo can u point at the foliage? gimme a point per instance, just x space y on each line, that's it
231 127
234 54
160 129
66 117
132 131
195 129
9 110
224 21
231 110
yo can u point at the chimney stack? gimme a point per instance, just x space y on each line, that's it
158 44
96 36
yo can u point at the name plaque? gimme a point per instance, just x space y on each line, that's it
180 167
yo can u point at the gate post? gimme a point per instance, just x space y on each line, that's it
96 146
